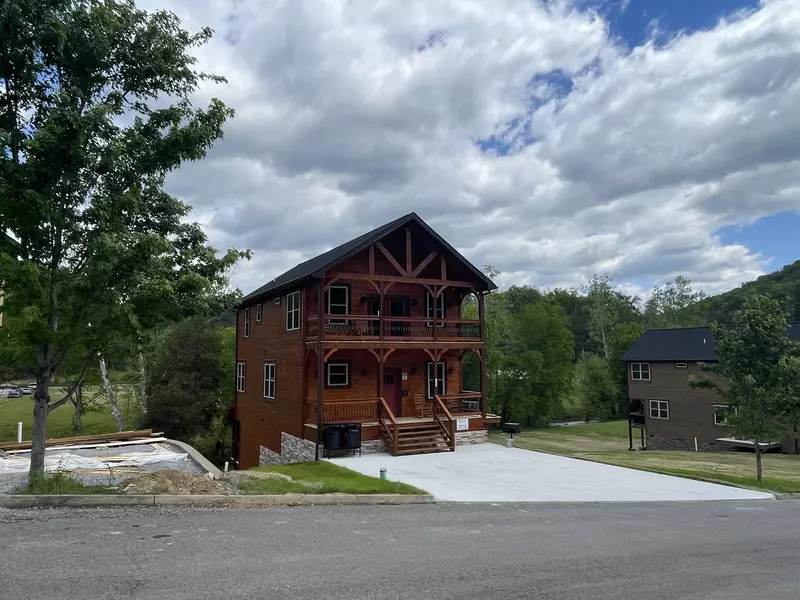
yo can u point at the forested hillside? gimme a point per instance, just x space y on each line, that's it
783 285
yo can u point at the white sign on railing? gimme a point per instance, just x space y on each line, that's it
462 424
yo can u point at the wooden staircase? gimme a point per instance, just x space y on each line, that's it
417 436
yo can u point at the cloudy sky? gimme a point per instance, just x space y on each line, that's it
552 139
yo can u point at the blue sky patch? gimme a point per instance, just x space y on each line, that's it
775 237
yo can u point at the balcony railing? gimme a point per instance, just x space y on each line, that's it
366 410
638 420
367 327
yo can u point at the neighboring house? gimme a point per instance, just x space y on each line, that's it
369 332
669 414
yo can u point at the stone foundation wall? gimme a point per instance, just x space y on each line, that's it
373 447
293 450
657 442
466 438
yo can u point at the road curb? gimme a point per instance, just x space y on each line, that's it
244 500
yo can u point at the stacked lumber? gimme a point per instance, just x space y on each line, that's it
143 434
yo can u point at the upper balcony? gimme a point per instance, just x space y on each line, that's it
373 328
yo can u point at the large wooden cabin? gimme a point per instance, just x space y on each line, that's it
370 332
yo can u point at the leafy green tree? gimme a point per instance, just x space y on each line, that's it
674 305
603 310
753 370
595 387
184 385
546 348
95 112
623 336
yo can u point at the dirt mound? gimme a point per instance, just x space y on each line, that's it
175 482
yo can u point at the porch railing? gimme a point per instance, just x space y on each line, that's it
390 435
360 410
464 403
369 326
446 422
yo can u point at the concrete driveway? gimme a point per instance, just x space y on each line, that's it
493 473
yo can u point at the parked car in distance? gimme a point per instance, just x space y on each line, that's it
26 390
32 385
9 390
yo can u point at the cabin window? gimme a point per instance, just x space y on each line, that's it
338 301
437 379
258 313
247 322
438 303
337 374
722 412
681 365
659 409
293 311
640 371
240 369
269 380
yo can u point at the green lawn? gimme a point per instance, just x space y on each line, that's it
608 443
60 421
332 477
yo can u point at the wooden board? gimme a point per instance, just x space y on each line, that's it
105 437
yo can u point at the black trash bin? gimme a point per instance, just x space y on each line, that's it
352 437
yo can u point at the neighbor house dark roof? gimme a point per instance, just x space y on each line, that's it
314 268
688 344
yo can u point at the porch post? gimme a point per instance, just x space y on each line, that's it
320 359
630 427
484 382
380 312
381 362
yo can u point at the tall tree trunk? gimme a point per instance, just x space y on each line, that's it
41 399
605 343
112 396
142 385
77 401
758 460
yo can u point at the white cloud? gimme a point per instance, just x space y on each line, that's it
351 113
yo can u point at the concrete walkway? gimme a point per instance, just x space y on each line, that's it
493 473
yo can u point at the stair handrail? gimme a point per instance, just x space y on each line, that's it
449 431
383 406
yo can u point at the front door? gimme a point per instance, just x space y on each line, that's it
391 391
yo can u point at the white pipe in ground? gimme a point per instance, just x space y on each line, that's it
695 444
19 432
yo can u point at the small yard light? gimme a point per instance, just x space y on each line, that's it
383 474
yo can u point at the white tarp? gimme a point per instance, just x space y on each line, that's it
68 461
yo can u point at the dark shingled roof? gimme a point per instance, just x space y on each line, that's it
689 344
315 267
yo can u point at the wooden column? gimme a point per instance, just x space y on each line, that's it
436 291
380 309
320 359
381 363
482 320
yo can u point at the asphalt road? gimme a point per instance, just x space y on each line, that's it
714 550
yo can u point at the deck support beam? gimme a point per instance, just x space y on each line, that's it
320 359
482 356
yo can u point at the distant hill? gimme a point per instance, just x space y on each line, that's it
783 285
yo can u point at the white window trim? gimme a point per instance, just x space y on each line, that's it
346 289
241 370
258 312
435 380
658 409
295 308
640 378
269 366
440 309
328 366
714 408
247 322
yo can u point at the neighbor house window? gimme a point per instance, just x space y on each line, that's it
293 311
247 322
338 301
434 306
258 313
640 371
269 380
240 369
659 409
722 412
337 374
436 380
